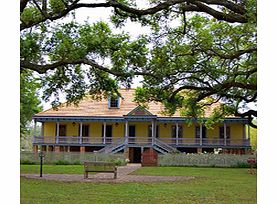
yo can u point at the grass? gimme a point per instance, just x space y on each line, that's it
212 185
52 169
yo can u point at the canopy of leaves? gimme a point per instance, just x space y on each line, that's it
29 101
198 53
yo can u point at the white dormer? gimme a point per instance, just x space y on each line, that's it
114 102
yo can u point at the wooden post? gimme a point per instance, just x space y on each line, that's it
244 134
177 133
81 133
225 135
244 131
153 131
35 128
58 132
42 129
104 133
248 128
126 132
201 131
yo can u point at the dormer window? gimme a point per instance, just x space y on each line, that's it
114 102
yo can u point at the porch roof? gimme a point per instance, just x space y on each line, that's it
127 118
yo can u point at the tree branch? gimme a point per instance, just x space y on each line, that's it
235 16
23 4
41 69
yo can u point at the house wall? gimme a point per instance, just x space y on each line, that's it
95 129
49 129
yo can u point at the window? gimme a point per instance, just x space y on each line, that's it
197 132
150 131
109 130
113 102
132 131
173 131
221 132
62 130
85 130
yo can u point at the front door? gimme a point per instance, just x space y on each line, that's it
132 131
132 134
109 133
135 154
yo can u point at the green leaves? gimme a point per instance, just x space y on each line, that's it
56 6
29 100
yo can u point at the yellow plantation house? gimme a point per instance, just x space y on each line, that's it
120 125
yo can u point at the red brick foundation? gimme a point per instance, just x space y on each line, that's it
57 149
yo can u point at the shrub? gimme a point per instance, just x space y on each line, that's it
241 165
27 162
120 162
208 160
62 162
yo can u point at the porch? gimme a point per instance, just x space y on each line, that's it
115 134
140 141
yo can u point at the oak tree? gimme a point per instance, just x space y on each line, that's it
205 49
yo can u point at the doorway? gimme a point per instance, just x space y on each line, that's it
135 154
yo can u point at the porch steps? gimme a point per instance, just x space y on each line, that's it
159 149
113 147
163 147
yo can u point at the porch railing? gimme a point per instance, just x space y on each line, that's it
141 141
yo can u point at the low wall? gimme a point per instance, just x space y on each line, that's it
216 160
70 158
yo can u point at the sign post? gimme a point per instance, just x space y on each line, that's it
41 155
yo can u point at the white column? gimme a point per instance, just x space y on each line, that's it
81 133
35 128
177 133
201 130
225 135
58 131
104 133
126 132
244 131
153 131
42 129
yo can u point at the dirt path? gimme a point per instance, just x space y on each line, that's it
122 176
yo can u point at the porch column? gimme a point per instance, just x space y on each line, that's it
35 128
104 133
58 131
177 133
225 135
126 132
248 129
244 131
244 135
42 129
81 133
201 130
153 131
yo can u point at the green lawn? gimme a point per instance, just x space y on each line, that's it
52 169
212 185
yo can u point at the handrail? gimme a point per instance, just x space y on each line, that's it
165 146
140 141
112 146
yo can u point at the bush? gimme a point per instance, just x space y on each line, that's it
241 165
27 162
204 160
62 162
120 162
